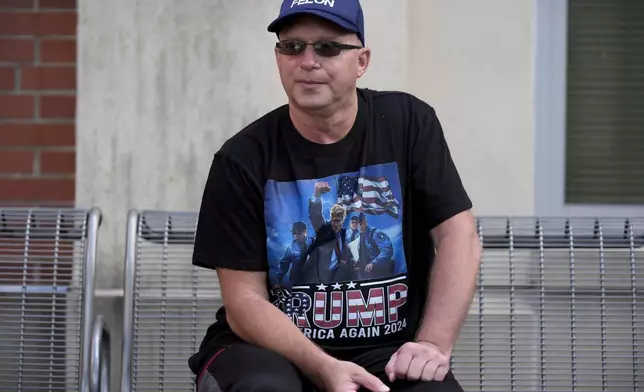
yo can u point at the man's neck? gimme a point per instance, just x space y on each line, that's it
328 126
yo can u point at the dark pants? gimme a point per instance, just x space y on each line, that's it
242 367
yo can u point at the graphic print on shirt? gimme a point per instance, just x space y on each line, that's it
336 257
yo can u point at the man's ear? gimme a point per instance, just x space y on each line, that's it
363 61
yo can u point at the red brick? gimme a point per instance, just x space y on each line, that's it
69 4
16 4
58 50
58 106
33 23
48 78
39 203
12 161
37 135
28 189
16 23
58 162
16 106
7 78
16 50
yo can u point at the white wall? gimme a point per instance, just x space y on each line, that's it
163 83
474 62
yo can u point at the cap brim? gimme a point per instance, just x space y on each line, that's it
277 24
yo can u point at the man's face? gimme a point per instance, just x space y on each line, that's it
354 224
363 226
300 237
336 223
314 82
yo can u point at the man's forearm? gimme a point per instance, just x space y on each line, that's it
259 322
452 285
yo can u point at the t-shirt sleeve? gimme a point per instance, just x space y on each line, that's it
230 229
438 189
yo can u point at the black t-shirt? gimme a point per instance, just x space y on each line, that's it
348 259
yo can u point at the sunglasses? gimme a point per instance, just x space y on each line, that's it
294 47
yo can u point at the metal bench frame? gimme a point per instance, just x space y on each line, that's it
94 340
499 240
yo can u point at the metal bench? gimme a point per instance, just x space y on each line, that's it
49 338
168 303
558 305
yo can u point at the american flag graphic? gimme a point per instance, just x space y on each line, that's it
371 195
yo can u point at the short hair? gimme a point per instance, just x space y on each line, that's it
338 210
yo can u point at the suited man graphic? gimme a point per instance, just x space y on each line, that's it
329 253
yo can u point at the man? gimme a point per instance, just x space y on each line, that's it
388 155
329 255
352 231
290 265
376 251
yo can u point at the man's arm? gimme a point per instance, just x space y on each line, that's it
315 206
254 319
231 239
385 246
452 281
446 208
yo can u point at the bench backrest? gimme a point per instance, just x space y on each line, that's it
558 305
168 302
47 264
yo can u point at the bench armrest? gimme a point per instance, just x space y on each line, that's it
100 357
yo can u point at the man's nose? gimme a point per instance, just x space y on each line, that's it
309 60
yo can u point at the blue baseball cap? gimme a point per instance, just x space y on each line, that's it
344 13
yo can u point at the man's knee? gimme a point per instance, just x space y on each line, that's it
253 382
265 382
243 367
449 384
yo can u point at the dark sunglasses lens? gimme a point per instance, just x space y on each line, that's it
291 47
327 49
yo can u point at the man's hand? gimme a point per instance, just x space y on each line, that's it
342 376
418 361
321 188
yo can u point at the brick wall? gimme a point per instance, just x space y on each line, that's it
37 102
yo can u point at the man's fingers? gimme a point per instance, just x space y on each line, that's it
429 371
417 365
390 369
416 368
370 382
441 373
402 363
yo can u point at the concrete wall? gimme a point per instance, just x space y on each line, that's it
163 83
474 62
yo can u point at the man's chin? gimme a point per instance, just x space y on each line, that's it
312 101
